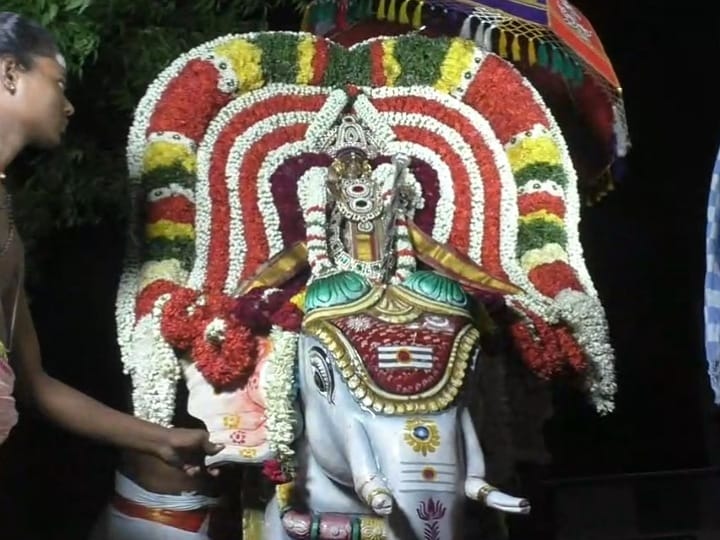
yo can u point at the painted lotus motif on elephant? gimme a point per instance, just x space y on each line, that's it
321 229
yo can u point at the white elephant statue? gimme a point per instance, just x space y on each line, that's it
318 223
388 441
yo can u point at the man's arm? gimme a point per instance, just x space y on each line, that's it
85 416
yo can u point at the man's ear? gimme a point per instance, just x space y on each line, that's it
9 71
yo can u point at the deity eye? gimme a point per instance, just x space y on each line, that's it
322 373
360 205
357 189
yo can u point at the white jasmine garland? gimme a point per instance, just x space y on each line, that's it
215 330
312 195
411 183
585 316
465 153
384 178
322 123
243 143
125 310
233 166
508 203
279 392
266 203
382 133
445 207
153 368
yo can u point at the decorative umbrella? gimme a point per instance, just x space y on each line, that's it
549 41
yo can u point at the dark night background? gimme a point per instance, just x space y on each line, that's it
653 463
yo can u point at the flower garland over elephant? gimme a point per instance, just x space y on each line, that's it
348 200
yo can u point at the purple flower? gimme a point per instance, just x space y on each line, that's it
431 510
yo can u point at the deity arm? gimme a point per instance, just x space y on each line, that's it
368 480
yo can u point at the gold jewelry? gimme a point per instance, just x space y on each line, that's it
377 491
366 482
485 491
372 528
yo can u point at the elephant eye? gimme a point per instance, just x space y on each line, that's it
320 382
322 373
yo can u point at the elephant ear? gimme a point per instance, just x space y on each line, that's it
202 231
563 327
500 188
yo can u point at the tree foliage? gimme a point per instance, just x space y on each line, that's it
114 49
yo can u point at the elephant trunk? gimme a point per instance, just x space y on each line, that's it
419 460
476 487
369 482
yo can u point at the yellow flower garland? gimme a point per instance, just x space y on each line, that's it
170 230
306 54
246 59
391 67
458 60
168 154
534 149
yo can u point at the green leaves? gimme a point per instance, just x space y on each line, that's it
76 31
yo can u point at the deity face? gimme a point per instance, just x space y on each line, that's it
356 194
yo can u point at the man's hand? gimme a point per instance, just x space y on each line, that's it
186 449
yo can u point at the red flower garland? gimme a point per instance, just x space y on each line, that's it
273 471
190 101
288 317
226 360
551 350
182 319
552 278
149 295
260 310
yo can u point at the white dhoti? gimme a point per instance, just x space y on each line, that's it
8 413
138 514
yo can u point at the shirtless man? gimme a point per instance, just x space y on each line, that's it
34 111
145 484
